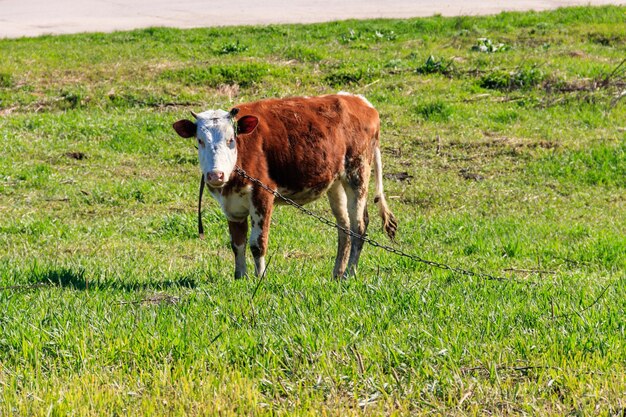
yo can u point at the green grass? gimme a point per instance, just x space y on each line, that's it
516 153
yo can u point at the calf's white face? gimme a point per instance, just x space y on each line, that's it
216 131
217 150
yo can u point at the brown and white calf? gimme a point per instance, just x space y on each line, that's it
303 147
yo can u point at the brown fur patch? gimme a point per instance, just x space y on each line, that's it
238 232
302 143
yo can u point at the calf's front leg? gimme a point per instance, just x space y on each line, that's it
238 233
260 216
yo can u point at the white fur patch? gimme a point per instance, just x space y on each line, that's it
366 101
256 220
236 205
256 232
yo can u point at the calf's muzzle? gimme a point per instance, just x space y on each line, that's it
215 178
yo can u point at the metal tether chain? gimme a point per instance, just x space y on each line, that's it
349 232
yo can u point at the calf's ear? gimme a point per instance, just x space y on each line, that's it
247 124
185 128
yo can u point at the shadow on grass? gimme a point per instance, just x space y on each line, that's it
68 278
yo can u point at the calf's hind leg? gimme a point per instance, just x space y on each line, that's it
355 186
338 204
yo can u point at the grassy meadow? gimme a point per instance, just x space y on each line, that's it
504 144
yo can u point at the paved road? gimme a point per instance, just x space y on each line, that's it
37 17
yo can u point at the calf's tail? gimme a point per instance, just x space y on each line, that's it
390 224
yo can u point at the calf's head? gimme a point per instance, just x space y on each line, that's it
216 132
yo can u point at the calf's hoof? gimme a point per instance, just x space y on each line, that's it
240 275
